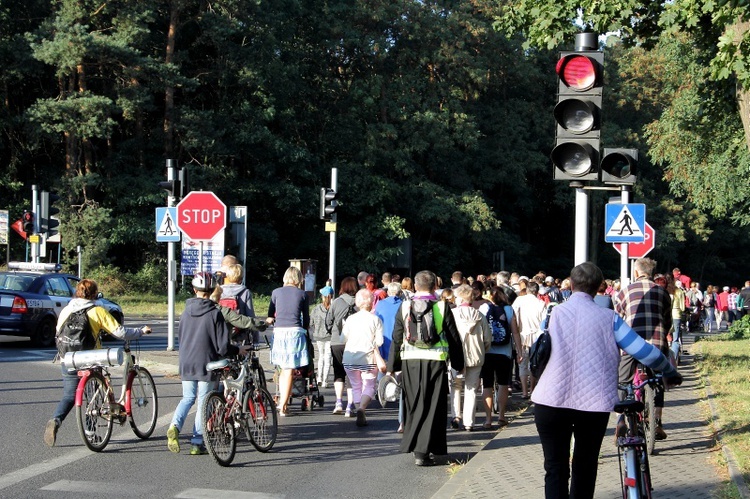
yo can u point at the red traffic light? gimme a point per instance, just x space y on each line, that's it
578 72
28 222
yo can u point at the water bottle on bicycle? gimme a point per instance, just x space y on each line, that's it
79 328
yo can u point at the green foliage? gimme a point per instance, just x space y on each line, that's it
740 329
438 124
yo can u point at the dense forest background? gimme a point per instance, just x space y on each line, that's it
440 127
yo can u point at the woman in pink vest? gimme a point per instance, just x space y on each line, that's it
578 388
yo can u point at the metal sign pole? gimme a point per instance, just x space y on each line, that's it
332 244
624 274
171 267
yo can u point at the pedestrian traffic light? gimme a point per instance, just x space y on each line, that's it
28 222
171 186
328 203
619 166
578 114
48 219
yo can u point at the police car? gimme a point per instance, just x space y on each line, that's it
31 297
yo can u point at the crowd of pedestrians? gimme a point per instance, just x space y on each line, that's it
452 347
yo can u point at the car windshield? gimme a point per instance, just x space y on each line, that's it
15 282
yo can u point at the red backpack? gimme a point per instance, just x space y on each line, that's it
231 302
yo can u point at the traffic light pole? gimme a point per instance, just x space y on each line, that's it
35 210
581 224
171 267
332 234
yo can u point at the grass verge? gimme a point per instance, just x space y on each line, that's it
726 360
156 305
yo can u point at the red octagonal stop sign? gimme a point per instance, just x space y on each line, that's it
201 215
639 250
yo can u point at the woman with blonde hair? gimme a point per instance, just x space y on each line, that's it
289 312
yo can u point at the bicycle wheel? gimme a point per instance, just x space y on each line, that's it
649 418
94 421
218 429
144 404
263 423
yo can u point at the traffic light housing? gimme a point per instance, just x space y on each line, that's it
28 222
578 115
172 187
619 166
179 187
49 220
328 203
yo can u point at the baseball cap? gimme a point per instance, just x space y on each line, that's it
726 288
549 278
326 291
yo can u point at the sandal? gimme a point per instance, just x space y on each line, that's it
502 422
487 426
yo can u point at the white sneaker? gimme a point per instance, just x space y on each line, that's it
338 409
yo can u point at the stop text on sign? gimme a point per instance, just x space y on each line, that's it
203 216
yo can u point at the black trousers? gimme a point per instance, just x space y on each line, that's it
555 427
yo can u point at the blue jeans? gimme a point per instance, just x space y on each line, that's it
676 323
191 389
70 383
710 319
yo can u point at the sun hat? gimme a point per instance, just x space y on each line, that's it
389 389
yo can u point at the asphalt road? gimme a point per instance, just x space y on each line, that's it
316 454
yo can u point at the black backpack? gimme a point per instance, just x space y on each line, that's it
421 329
499 325
76 333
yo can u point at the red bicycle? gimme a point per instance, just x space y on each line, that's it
97 410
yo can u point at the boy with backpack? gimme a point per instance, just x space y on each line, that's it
79 327
235 296
204 337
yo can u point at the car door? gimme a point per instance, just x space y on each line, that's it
59 291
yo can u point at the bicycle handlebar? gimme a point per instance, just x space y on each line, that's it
625 387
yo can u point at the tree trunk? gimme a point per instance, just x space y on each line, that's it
174 18
743 93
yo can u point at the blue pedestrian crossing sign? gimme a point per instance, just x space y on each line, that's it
624 223
166 228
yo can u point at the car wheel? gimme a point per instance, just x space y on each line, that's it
45 334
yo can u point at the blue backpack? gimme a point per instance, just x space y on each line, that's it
499 325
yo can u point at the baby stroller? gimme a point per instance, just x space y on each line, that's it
304 384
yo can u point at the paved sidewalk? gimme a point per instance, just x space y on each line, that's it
512 465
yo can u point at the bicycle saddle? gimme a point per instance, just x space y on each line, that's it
217 365
628 406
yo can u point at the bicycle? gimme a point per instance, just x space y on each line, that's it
96 407
633 448
245 404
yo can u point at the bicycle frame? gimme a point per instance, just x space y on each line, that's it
130 369
235 388
632 448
